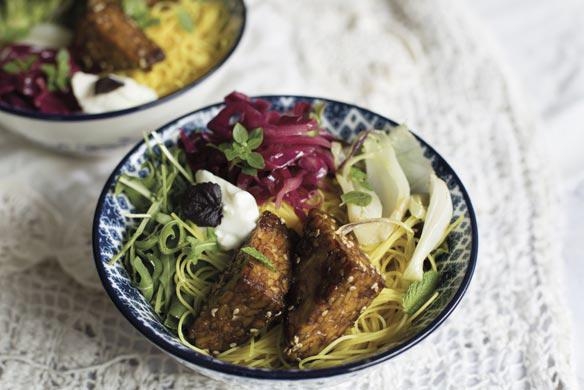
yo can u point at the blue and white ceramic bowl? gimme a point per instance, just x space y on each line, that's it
344 120
94 134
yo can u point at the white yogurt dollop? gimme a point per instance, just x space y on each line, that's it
131 94
240 211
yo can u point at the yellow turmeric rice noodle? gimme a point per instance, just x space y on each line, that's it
189 54
379 327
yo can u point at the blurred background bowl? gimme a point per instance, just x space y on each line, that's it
344 120
94 134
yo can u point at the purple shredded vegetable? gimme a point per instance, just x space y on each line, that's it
28 89
296 151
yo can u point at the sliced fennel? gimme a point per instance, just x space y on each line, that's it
366 234
338 154
411 158
418 204
386 175
438 217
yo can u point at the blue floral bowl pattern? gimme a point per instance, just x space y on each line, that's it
343 119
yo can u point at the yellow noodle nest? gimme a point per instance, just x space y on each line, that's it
189 55
382 325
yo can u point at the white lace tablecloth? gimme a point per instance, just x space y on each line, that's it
425 62
543 42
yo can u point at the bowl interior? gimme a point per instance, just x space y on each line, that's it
234 27
342 119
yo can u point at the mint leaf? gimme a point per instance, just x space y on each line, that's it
51 72
358 198
27 62
63 70
256 137
147 21
63 58
230 154
255 160
11 67
58 74
360 178
222 147
240 152
185 20
134 7
259 256
62 82
240 133
19 65
249 171
139 12
419 292
254 143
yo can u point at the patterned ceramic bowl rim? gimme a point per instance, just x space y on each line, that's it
242 371
240 5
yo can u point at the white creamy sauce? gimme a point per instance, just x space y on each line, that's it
240 211
131 94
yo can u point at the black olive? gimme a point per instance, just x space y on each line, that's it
106 84
201 203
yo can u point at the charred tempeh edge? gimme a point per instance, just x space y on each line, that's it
333 282
108 40
249 296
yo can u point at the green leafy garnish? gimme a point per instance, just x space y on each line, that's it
358 198
185 20
259 256
58 73
163 252
19 65
360 178
18 17
11 67
256 137
419 292
241 151
240 134
255 160
138 10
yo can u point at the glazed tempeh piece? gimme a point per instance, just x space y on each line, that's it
249 296
108 40
333 282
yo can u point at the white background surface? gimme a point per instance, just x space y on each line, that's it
543 42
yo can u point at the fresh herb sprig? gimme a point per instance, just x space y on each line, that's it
358 198
162 252
259 256
19 65
419 292
138 10
18 17
241 153
58 73
185 20
360 178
